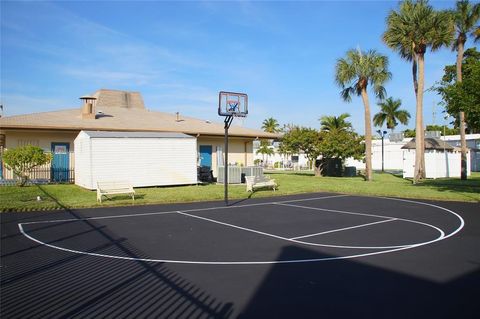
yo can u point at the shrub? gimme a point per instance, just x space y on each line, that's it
22 160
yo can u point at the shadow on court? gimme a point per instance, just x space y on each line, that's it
349 289
39 282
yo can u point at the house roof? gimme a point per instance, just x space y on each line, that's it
431 144
125 115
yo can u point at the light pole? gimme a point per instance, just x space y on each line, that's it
382 135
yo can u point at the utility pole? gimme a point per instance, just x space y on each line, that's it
382 135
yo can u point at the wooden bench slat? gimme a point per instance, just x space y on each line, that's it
254 182
114 187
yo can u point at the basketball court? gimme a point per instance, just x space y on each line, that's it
296 256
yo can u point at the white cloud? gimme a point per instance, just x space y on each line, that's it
14 104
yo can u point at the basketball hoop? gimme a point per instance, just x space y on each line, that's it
231 105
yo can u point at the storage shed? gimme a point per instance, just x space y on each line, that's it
441 159
141 158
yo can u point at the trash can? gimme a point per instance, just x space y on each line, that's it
350 171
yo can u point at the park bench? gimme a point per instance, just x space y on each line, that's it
255 182
105 188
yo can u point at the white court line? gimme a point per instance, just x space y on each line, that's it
462 224
442 234
194 262
234 226
175 211
96 218
308 199
332 210
309 243
346 228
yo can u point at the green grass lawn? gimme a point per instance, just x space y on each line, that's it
14 198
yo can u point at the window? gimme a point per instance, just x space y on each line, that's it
220 160
28 142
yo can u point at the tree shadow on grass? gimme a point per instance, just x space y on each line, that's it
296 173
454 185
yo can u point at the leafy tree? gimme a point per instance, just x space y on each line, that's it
328 144
409 133
465 16
463 96
270 125
22 160
411 30
390 113
353 74
342 145
339 145
302 139
335 124
288 127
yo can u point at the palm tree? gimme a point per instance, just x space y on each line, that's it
334 123
353 74
465 16
410 31
270 125
265 149
476 33
390 113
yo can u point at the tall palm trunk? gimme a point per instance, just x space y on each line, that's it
368 135
414 74
463 140
419 132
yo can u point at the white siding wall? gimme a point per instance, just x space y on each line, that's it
83 171
393 156
141 161
437 164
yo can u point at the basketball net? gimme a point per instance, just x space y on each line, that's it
240 120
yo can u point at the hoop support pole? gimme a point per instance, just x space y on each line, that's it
228 121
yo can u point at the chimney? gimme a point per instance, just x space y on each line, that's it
177 117
88 111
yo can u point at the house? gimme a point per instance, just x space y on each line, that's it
473 143
122 111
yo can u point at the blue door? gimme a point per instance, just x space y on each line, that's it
206 156
60 162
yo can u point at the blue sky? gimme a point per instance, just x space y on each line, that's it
179 55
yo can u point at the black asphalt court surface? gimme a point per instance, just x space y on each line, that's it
316 255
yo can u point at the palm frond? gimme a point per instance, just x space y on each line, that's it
390 112
346 94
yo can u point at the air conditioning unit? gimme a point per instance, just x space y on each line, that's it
395 137
433 134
